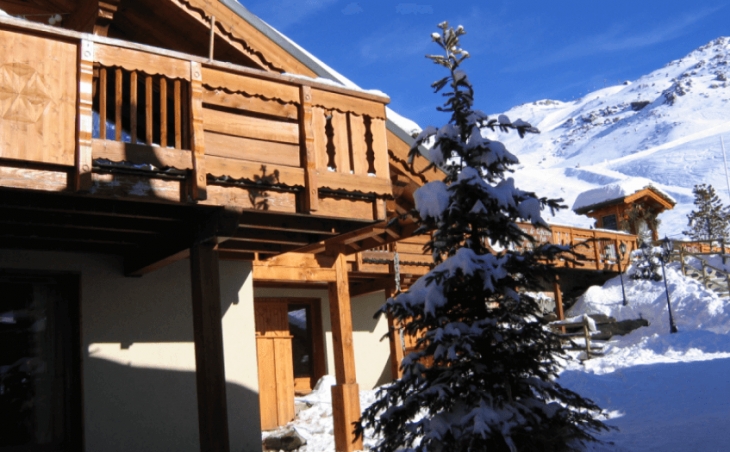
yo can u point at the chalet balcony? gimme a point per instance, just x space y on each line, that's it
102 121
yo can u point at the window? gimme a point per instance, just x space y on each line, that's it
40 391
609 222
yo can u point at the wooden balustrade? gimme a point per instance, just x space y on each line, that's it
320 149
119 106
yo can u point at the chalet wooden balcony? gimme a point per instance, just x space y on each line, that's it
112 119
598 248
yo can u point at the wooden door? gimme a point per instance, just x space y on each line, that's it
274 353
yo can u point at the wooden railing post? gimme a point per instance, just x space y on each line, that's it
197 140
380 147
681 260
309 150
558 300
346 394
85 119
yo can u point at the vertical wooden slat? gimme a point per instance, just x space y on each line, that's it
319 124
197 141
309 150
163 112
341 142
208 336
118 104
267 384
380 147
85 118
345 395
133 107
284 379
148 109
102 103
178 115
358 144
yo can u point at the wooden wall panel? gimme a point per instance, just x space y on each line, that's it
37 98
267 152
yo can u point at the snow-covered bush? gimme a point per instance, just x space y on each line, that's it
490 383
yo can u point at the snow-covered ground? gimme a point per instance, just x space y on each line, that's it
664 392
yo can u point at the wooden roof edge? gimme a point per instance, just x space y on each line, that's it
652 193
62 33
646 191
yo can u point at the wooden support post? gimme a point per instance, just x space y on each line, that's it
681 260
197 142
558 300
84 123
396 345
208 334
345 395
309 151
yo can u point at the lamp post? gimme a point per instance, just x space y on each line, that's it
667 247
621 253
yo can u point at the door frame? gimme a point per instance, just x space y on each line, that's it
319 358
71 324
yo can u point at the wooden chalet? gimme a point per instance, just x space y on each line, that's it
633 211
183 224
189 233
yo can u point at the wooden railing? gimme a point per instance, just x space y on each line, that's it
599 250
219 123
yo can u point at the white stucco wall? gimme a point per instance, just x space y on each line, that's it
372 355
138 355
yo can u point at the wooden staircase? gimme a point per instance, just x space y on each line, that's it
713 278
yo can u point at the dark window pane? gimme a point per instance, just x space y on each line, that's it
34 358
609 222
301 330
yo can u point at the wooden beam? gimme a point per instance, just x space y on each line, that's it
308 151
396 345
210 372
345 395
276 222
93 16
197 135
84 121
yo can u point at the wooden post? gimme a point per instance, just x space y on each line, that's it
309 151
212 38
587 333
396 345
84 121
681 260
346 394
209 365
558 300
704 273
197 141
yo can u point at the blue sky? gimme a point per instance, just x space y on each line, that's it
521 51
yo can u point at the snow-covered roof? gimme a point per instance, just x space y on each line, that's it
613 192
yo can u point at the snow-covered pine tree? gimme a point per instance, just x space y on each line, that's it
492 382
709 220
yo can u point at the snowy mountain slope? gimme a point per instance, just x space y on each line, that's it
664 127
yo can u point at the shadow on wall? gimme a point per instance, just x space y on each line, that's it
363 310
154 409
